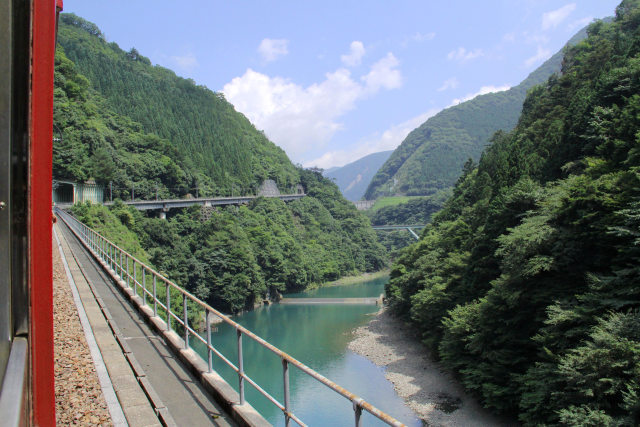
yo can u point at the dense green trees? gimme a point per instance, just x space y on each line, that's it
526 284
95 142
431 156
414 211
238 255
141 126
218 145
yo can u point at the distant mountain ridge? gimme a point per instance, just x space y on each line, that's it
354 178
432 156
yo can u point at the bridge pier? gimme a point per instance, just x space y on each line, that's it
163 213
413 233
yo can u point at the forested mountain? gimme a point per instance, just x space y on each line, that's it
431 156
527 283
170 134
222 146
354 178
95 142
418 210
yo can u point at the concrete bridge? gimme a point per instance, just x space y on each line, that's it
324 301
67 193
400 227
164 205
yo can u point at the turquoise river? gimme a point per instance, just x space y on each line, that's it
316 335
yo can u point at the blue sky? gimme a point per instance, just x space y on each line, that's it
332 81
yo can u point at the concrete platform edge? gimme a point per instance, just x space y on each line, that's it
219 389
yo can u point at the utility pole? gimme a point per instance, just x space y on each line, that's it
133 196
196 190
111 191
156 192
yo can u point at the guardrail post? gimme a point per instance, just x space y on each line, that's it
111 253
135 278
168 306
121 269
209 352
155 297
357 409
186 321
285 380
240 368
144 285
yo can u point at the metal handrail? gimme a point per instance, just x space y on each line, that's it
113 256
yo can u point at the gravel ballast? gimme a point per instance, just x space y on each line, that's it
79 398
428 390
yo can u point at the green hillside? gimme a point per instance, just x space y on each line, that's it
527 283
231 257
431 156
92 141
215 140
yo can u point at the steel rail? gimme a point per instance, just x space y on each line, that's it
107 249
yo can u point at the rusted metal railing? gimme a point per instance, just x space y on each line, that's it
126 267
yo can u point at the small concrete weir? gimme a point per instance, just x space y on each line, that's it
355 301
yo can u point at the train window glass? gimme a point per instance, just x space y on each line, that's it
5 183
14 119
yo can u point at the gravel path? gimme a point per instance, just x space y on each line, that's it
429 391
79 398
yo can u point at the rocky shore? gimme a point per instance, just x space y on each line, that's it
428 390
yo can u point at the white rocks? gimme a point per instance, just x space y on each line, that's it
427 389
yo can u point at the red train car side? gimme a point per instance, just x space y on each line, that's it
27 48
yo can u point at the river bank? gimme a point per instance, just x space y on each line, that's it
428 390
353 280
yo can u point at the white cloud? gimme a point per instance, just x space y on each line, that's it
580 23
541 55
555 17
463 55
384 74
272 49
483 91
387 140
354 57
536 38
186 62
300 118
509 37
451 83
418 38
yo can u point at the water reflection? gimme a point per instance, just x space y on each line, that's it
317 335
